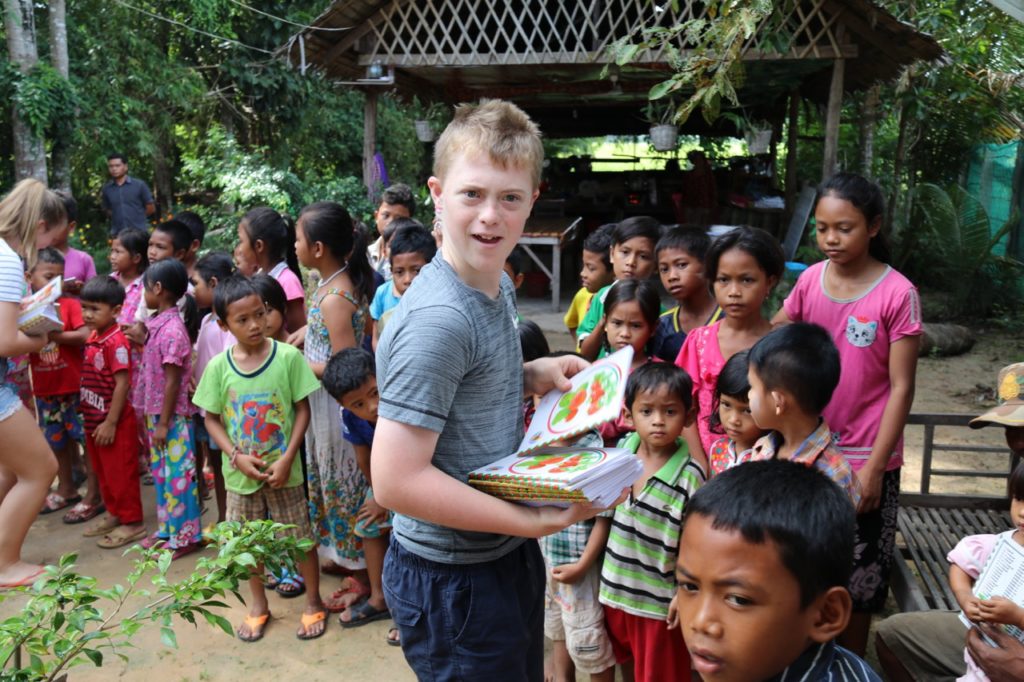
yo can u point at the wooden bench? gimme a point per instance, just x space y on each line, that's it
930 524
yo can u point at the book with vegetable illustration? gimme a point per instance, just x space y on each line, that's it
595 397
540 474
560 475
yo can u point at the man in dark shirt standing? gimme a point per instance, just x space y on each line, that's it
127 201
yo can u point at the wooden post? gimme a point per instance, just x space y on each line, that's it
370 178
793 131
832 116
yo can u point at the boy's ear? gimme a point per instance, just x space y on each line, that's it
222 324
194 246
832 614
180 255
72 224
691 416
518 280
780 400
434 184
627 418
116 310
137 258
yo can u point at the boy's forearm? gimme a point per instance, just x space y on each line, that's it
406 481
215 427
363 462
119 398
75 338
596 542
590 346
299 425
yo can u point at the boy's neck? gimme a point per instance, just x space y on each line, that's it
252 352
661 455
794 429
699 303
104 330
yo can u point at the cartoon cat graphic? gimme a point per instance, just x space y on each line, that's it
860 332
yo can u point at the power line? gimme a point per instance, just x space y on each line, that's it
304 27
192 28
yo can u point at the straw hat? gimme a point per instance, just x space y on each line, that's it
1010 389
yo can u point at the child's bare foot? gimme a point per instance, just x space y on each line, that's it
313 623
394 637
251 629
350 592
20 574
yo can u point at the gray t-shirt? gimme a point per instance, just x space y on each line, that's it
450 361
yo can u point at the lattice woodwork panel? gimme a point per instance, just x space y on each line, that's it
484 32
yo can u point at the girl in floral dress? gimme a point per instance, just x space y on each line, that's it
327 241
162 391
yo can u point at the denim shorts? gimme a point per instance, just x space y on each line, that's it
9 401
469 621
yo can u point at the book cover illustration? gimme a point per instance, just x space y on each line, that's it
560 475
40 313
595 397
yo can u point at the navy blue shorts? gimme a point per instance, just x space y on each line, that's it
469 621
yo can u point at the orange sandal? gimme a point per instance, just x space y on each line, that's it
309 619
256 625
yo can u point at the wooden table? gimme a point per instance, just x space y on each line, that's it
556 233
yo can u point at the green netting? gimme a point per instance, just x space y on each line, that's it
990 179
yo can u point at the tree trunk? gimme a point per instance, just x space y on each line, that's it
61 152
29 152
163 174
868 118
899 156
833 113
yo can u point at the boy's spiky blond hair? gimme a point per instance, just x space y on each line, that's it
494 127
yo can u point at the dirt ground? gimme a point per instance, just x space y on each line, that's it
963 384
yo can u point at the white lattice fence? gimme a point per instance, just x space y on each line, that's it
411 33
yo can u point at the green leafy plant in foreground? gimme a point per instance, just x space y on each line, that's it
68 620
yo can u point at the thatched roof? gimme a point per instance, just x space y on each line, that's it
547 55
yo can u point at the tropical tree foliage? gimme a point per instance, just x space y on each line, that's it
167 82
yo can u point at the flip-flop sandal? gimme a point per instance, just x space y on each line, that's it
56 502
83 511
393 642
152 540
186 550
103 527
27 581
256 624
363 613
290 585
354 587
270 580
114 539
309 619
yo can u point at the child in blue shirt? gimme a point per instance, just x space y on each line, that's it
411 248
350 378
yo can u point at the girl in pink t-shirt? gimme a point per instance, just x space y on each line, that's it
743 265
266 244
874 315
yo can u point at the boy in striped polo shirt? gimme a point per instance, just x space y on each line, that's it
637 583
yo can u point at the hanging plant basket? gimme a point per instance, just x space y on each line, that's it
664 137
758 140
425 131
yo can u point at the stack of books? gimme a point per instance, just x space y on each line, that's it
540 472
40 313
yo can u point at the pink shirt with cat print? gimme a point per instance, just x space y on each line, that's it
863 328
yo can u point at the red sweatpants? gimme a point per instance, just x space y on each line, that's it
658 652
117 468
